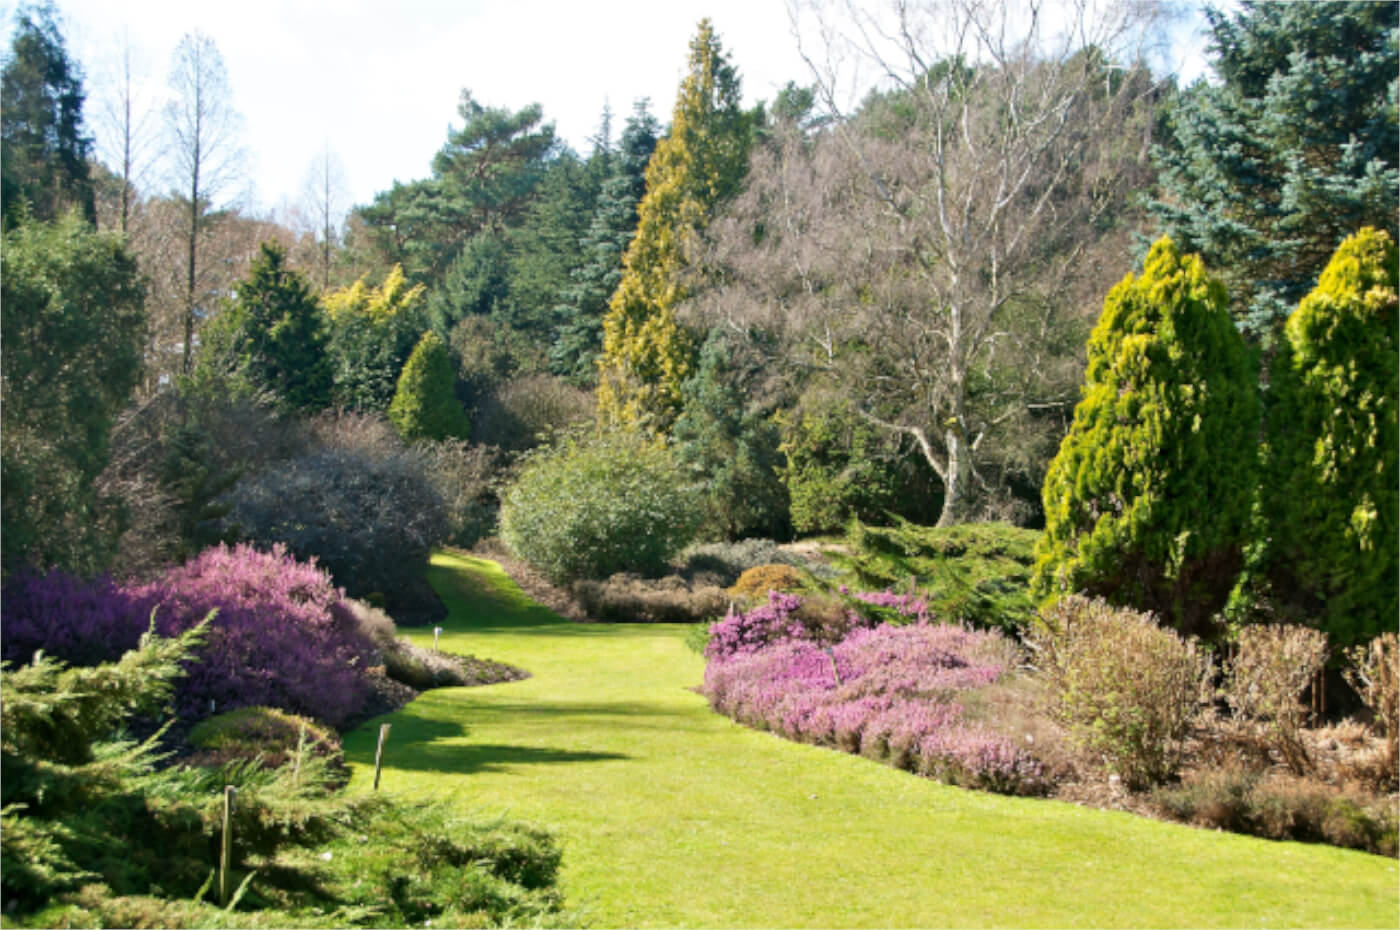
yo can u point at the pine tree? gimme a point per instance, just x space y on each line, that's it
1266 172
1147 503
44 150
579 335
1329 496
282 337
646 355
424 406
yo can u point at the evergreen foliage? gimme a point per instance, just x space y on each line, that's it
74 323
579 335
1329 495
701 162
837 468
484 178
731 450
274 337
44 148
588 508
1147 502
372 332
1265 172
424 406
477 282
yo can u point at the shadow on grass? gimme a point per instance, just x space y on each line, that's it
471 759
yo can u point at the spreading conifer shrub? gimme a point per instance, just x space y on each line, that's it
266 734
1147 502
1331 490
592 507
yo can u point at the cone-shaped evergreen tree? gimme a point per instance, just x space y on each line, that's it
579 336
424 406
646 355
1147 503
1329 497
274 334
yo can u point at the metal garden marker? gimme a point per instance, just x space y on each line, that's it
831 657
226 858
437 631
301 749
379 752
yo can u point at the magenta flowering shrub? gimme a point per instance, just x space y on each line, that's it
80 622
742 633
276 641
889 692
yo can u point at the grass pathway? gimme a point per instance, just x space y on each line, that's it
672 816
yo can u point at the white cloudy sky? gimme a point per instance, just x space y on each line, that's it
377 81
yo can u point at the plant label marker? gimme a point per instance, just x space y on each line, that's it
226 856
831 657
301 749
437 631
379 752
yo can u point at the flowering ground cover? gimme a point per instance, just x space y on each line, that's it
889 693
671 815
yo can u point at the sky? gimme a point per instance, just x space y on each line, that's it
376 82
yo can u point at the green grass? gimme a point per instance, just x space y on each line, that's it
671 815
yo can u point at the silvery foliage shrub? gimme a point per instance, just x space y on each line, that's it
369 518
593 506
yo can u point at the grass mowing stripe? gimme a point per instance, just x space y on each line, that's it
673 816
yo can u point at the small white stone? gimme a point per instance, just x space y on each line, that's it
325 857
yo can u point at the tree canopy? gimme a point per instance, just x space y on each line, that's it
1267 171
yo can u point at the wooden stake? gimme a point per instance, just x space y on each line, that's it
437 631
226 857
831 657
379 752
301 749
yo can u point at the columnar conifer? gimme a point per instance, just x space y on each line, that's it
1147 502
646 355
424 406
1329 498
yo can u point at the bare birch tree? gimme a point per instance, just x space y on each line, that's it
928 249
323 199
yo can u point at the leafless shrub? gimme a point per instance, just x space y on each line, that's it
625 598
1125 688
1375 674
1274 665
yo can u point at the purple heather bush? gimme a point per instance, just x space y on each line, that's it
888 692
277 640
80 622
280 637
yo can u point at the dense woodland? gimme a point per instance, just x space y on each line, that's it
721 323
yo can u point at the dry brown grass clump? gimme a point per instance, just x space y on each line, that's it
627 598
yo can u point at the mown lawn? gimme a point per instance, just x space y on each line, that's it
673 816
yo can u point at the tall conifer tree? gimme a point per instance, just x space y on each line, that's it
1267 171
1329 494
646 355
585 300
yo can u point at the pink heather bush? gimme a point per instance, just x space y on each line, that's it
890 693
276 641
